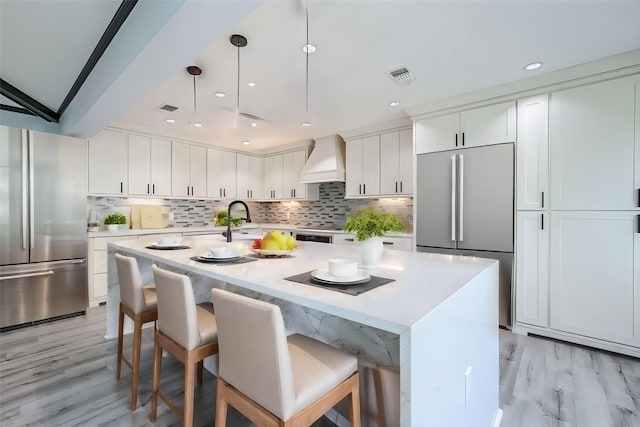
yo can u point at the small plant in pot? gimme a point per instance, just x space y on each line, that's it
114 220
370 227
222 218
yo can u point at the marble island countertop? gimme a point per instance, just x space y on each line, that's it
421 281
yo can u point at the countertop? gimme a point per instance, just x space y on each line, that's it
423 281
217 230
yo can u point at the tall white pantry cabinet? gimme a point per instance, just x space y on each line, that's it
578 215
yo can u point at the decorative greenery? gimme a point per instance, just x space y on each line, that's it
221 219
115 218
368 223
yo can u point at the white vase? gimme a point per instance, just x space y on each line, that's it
113 227
371 252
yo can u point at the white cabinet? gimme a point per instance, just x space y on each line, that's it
593 137
363 167
273 177
493 124
396 162
248 176
221 174
595 291
108 163
532 268
532 153
149 166
395 242
97 268
188 170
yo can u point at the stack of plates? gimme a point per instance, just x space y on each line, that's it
227 257
323 276
171 245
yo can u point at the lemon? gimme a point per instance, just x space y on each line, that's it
270 243
291 243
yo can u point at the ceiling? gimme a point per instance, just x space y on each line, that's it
451 47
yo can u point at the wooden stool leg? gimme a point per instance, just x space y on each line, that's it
137 344
157 361
355 402
200 371
120 333
221 405
188 389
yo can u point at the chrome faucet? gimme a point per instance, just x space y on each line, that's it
247 219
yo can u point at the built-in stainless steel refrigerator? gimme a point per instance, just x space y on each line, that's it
43 237
464 202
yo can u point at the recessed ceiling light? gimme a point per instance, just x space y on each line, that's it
246 142
394 104
219 94
197 124
305 124
170 120
252 84
309 48
533 66
253 124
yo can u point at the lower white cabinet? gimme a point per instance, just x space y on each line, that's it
397 243
595 291
532 268
97 268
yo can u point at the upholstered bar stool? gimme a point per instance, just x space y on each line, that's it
272 379
137 301
185 330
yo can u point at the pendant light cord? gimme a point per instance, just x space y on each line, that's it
194 97
306 84
238 85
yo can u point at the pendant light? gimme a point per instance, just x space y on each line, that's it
194 71
238 40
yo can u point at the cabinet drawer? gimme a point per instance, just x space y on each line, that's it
99 262
398 243
100 285
100 243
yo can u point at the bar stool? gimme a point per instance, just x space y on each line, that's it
137 301
272 379
185 330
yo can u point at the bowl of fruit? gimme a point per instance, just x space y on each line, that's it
274 244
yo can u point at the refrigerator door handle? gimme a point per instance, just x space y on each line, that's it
453 197
22 276
461 199
32 224
25 184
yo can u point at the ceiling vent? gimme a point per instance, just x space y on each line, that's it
166 107
402 76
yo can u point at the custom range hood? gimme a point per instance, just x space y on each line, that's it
326 162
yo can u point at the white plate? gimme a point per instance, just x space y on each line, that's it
322 275
168 245
227 257
271 252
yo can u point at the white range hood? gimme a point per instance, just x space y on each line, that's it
326 162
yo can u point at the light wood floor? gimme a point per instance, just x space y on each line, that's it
63 374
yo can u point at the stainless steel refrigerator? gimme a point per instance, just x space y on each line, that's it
43 237
464 202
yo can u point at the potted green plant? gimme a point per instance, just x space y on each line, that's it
369 227
114 220
222 217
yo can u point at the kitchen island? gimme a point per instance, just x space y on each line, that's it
435 324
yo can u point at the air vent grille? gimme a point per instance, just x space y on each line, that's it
402 76
166 107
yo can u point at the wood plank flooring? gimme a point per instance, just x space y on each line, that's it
63 374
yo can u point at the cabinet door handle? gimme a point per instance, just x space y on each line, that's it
153 188
387 243
542 199
541 221
359 188
121 187
224 192
463 139
456 139
638 217
639 197
251 193
148 188
454 184
461 197
192 190
364 188
396 186
348 240
187 190
401 186
294 192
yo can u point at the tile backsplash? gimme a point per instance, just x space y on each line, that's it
330 211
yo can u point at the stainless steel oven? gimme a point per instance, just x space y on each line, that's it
314 236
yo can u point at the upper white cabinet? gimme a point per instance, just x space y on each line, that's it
532 153
493 124
248 176
396 163
149 166
188 170
595 286
273 177
532 268
363 167
221 174
593 141
108 163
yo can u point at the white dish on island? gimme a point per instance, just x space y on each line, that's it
168 245
323 275
228 256
271 252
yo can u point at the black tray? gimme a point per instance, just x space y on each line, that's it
354 289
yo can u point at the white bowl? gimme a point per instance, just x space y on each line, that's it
343 267
220 252
166 241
